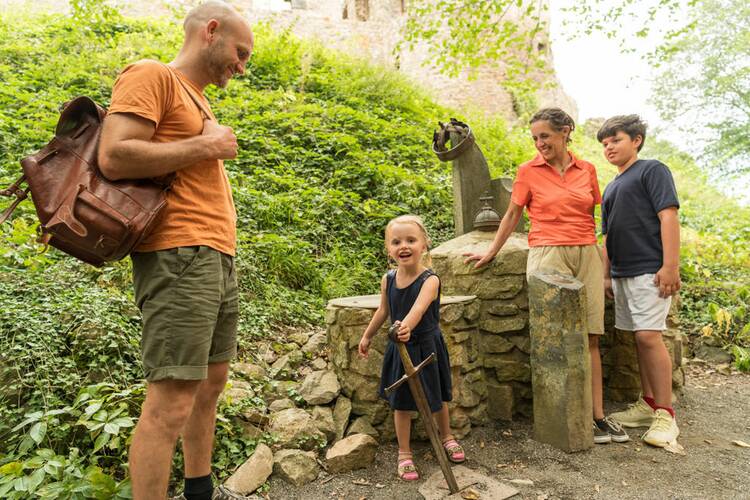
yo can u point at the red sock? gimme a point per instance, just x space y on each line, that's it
651 402
668 408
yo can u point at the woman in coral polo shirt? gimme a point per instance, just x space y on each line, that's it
560 191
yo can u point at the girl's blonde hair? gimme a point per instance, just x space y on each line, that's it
416 220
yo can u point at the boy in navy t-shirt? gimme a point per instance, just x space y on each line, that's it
641 267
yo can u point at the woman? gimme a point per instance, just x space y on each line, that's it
560 192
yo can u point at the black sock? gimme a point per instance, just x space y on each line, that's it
601 424
199 488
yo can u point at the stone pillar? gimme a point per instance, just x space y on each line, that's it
560 362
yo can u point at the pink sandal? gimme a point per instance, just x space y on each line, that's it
406 470
454 450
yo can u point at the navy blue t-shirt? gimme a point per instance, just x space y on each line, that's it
629 217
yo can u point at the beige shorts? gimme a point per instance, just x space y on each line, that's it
583 262
638 306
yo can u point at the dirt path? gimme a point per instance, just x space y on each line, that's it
713 411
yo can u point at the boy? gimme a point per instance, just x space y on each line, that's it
641 267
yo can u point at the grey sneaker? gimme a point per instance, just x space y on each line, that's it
600 436
615 430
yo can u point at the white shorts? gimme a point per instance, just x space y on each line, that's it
638 306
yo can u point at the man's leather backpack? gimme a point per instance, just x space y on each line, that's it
80 212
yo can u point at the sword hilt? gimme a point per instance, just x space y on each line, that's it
429 359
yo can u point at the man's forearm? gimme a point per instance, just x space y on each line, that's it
139 159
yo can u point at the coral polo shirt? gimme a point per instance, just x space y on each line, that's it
560 207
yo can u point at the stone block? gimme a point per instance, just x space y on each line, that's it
362 425
320 387
341 412
371 366
351 453
296 466
510 261
253 473
478 415
498 308
522 342
451 312
471 310
495 344
494 324
468 393
619 379
377 411
498 287
331 313
499 401
351 316
560 362
512 370
458 337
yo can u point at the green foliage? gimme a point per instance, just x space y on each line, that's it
699 53
330 150
704 81
472 34
730 325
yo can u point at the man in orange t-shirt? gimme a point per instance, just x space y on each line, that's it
560 193
160 124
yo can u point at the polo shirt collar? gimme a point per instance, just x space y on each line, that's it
539 161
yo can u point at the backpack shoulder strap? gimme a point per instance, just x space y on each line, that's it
207 114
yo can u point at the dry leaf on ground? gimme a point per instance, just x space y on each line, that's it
741 444
675 447
470 494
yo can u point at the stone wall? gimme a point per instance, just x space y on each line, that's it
503 321
487 337
360 378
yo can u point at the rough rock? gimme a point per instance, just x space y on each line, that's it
341 413
353 452
362 425
296 466
315 344
253 473
320 387
294 428
323 418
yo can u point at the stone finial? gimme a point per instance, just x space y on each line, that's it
487 219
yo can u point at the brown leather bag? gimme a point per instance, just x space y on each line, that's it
80 212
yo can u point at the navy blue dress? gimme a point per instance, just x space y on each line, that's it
425 339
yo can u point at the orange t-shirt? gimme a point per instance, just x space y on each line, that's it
560 207
199 209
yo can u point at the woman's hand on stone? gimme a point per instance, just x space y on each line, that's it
364 346
482 259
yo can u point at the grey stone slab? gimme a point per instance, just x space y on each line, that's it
435 487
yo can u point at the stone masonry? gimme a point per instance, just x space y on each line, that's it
360 378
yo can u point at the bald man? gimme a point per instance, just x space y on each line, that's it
160 126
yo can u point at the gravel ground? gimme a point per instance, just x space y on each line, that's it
712 412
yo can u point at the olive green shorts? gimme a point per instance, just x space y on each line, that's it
188 300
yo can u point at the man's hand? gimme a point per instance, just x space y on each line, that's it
222 140
668 281
481 258
608 288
